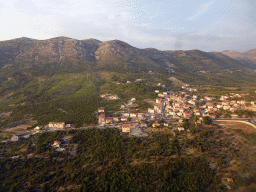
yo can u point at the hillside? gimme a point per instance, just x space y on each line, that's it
43 78
247 58
62 54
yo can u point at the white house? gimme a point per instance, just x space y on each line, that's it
126 128
16 137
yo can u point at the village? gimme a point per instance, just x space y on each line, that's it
169 110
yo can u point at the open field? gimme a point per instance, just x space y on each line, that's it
243 130
22 127
176 81
237 125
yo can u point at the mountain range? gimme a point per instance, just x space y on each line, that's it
62 54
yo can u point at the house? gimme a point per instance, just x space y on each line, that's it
160 95
141 115
56 143
219 106
133 99
156 124
39 127
51 124
159 100
187 114
253 102
126 128
134 115
104 95
16 137
126 114
23 149
179 128
101 110
180 120
232 109
113 97
165 93
60 125
180 114
123 119
108 120
101 118
156 91
234 115
115 119
197 113
226 107
167 124
158 109
69 125
151 110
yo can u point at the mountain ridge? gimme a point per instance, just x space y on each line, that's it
64 54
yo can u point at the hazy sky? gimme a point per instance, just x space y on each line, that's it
207 25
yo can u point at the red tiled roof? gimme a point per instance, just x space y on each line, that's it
23 149
101 116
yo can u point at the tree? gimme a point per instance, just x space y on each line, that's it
207 120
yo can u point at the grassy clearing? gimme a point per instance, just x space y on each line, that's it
243 130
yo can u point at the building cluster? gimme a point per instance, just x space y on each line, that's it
180 105
109 96
188 87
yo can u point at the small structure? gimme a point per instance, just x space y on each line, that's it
151 110
156 124
109 120
51 124
181 129
56 143
140 115
234 115
101 110
69 125
39 127
133 114
23 149
123 118
126 128
16 137
166 124
133 99
101 118
60 125
159 100
115 119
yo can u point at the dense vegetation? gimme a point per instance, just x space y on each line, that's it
106 161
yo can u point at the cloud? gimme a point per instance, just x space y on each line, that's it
201 10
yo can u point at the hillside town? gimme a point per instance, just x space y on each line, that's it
170 109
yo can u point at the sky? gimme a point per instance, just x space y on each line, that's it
207 25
